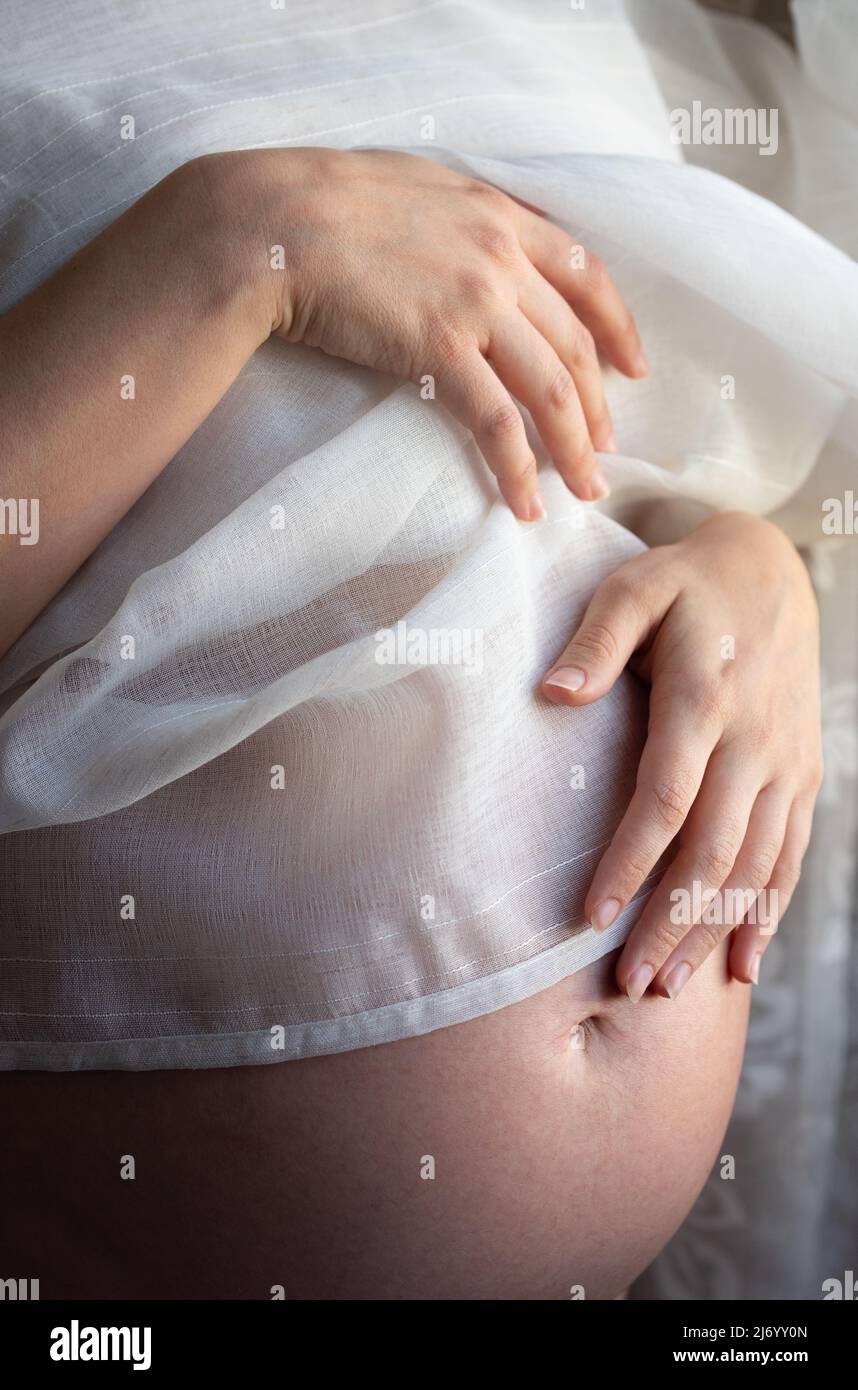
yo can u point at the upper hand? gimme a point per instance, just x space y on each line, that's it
724 626
397 263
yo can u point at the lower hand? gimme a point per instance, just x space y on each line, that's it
724 627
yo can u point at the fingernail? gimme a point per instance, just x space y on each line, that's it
604 914
754 971
567 678
536 511
640 365
638 982
598 486
611 446
679 976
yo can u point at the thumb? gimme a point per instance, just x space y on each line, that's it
620 616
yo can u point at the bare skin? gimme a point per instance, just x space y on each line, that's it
570 1135
733 760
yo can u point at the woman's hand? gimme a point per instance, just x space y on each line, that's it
724 627
397 263
388 260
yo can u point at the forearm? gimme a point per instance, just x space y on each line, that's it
393 262
107 369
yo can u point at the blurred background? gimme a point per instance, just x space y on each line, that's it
788 1224
774 13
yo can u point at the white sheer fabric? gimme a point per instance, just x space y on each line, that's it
426 858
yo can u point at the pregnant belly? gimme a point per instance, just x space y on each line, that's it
545 1151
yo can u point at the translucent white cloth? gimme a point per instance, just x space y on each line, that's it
222 813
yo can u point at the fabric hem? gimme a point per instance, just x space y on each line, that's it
407 1018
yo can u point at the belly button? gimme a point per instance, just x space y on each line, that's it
577 1038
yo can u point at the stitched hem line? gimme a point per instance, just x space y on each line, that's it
406 1019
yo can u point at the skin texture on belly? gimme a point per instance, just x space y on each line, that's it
568 1136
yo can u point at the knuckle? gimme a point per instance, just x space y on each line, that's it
439 330
597 642
632 871
711 934
497 241
715 858
760 863
582 346
503 422
672 802
561 390
666 936
621 589
703 696
449 347
476 288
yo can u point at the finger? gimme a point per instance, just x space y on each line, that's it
741 895
751 940
582 279
710 844
671 770
621 614
552 317
533 372
473 393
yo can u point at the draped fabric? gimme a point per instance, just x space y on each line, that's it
274 758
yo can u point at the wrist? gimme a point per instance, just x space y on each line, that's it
245 256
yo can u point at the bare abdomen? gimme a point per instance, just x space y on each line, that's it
551 1146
